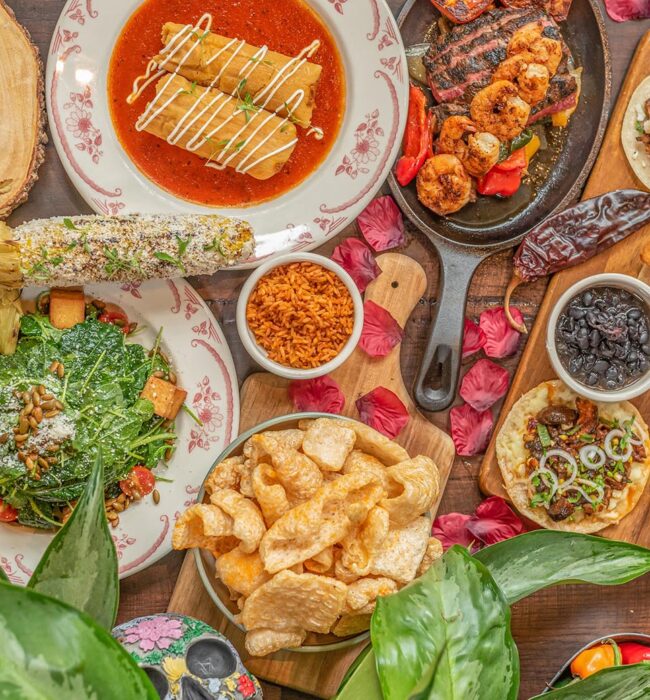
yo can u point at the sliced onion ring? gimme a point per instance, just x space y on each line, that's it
609 448
635 441
544 472
586 456
567 457
586 482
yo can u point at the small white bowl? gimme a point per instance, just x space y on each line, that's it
259 354
617 281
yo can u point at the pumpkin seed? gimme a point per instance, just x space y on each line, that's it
156 496
37 413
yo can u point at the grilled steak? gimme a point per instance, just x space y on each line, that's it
462 61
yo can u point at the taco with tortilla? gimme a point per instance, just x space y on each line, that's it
571 464
635 132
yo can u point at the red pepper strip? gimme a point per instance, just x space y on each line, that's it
496 182
113 317
515 161
461 11
417 140
633 653
7 512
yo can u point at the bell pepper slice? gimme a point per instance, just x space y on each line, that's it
515 161
418 144
499 183
461 11
532 147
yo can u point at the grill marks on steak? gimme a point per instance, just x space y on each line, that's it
461 62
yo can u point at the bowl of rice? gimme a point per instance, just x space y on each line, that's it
300 315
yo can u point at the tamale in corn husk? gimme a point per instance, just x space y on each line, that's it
283 84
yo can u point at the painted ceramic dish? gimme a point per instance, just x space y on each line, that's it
198 351
184 657
330 181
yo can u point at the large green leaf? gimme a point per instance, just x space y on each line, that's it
361 680
80 565
535 560
446 635
50 650
620 683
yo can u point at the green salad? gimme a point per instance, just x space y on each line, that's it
64 395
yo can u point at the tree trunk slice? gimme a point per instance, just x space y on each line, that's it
22 112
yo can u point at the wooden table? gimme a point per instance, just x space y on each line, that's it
549 626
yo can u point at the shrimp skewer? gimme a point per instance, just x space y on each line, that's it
532 79
477 151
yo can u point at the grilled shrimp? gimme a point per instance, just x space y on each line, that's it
452 139
531 79
539 49
443 184
499 110
478 152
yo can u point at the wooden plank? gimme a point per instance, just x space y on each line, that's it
398 289
611 171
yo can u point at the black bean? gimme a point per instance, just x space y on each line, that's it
592 379
643 337
587 298
601 366
577 313
634 314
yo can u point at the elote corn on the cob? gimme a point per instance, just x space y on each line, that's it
85 249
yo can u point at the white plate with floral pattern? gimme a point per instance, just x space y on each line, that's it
320 207
201 358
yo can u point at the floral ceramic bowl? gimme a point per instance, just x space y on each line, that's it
184 657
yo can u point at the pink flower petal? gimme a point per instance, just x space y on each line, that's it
452 529
321 394
494 521
382 410
381 332
501 340
356 259
473 338
470 430
484 384
381 224
622 10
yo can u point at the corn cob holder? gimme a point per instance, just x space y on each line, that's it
80 250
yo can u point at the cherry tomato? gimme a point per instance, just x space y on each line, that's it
117 318
140 479
7 513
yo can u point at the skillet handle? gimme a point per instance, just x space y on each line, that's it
435 386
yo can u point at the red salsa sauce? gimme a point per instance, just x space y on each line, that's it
286 26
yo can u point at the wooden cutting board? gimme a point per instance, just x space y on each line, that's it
610 172
263 396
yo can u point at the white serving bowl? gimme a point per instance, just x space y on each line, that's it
618 281
259 354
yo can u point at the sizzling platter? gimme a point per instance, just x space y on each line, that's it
306 177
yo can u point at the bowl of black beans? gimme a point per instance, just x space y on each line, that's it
598 337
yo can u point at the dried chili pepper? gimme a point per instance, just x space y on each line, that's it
575 235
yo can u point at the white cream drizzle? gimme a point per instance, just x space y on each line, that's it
155 69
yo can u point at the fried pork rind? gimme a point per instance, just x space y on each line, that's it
202 525
413 487
241 572
299 475
328 442
322 521
321 562
246 481
433 551
226 475
247 521
270 493
295 601
261 642
362 594
260 447
402 552
358 461
361 544
351 624
370 441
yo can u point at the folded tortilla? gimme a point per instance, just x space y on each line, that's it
219 127
635 151
278 83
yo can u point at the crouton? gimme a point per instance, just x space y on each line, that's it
166 397
67 307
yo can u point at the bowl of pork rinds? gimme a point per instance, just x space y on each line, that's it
303 522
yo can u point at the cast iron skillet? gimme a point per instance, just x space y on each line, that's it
462 247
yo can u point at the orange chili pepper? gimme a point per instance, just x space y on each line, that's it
592 660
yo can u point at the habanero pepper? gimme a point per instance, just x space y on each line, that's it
595 659
634 653
418 142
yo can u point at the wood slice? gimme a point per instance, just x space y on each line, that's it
22 112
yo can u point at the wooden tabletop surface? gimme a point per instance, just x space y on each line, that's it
549 626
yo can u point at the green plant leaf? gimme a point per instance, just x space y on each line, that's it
3 575
446 635
619 683
80 565
361 680
535 560
50 650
